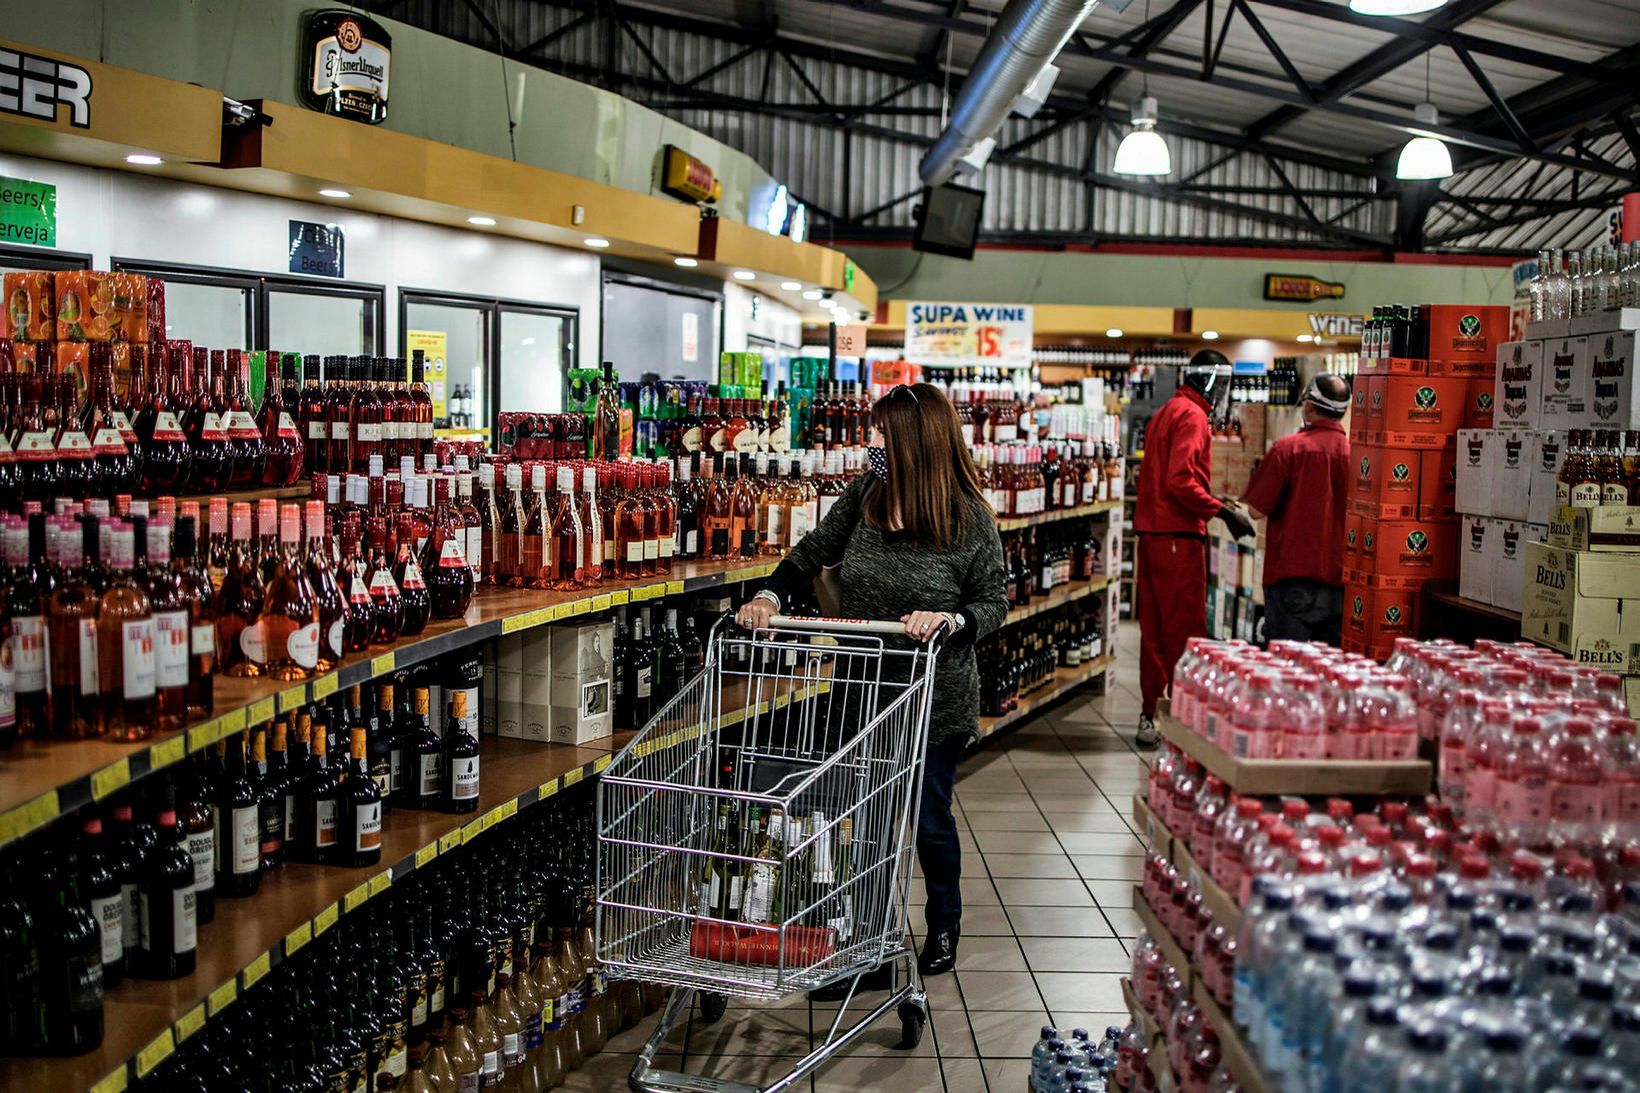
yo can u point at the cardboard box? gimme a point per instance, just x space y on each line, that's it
1545 451
1386 481
1402 554
1581 602
1510 482
29 309
85 306
583 690
1375 617
1462 336
1608 529
1375 402
489 712
1614 397
1480 404
1518 394
1360 409
1437 482
1509 564
1476 534
1564 401
1352 538
1422 412
509 686
1474 455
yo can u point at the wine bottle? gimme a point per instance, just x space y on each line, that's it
424 785
169 935
461 773
359 824
238 827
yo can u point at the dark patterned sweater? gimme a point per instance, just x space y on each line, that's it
887 574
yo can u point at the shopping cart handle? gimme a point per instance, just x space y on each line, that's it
844 626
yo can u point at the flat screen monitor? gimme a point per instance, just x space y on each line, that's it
949 222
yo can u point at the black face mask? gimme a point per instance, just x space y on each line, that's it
877 460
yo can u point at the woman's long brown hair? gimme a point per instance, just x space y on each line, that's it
929 467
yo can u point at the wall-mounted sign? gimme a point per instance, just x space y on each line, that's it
851 340
1325 324
687 178
968 334
315 249
1296 288
344 63
28 212
435 354
39 87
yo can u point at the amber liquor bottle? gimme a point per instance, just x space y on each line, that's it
25 605
532 532
168 601
238 634
319 802
125 643
71 619
444 559
327 591
359 820
424 753
563 551
290 614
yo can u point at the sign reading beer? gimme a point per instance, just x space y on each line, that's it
968 334
44 89
345 58
1299 289
687 178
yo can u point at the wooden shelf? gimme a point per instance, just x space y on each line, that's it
43 779
302 491
1309 777
1226 910
1231 1046
1155 1040
1014 523
1059 597
1065 680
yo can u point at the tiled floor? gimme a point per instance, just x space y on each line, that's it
1049 861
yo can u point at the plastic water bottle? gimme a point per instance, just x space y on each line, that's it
1042 1054
1062 1073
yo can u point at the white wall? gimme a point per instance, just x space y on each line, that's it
774 321
123 214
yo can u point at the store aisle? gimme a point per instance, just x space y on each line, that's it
1050 858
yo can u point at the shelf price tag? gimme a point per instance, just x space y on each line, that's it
298 938
674 588
324 920
223 997
472 830
571 777
166 752
203 736
260 711
546 789
292 697
155 1052
354 899
113 1083
619 596
25 818
255 970
381 882
112 777
601 764
514 623
382 665
449 840
190 1023
325 686
426 854
600 602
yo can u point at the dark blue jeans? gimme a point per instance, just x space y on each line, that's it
939 853
1303 610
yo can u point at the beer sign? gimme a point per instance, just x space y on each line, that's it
344 66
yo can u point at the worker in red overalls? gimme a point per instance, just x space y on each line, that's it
1170 518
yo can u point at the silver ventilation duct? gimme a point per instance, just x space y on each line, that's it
1028 35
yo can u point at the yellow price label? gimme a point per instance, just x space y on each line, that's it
426 854
298 938
261 711
190 1023
25 818
231 722
472 829
492 817
546 789
292 698
601 764
325 686
203 736
449 840
115 775
113 1083
382 665
155 1052
255 970
166 752
600 602
381 882
325 919
510 809
223 997
674 588
618 596
354 899
572 608
571 777
514 623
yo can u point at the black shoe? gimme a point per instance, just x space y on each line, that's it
878 979
939 952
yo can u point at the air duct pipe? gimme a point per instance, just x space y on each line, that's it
1028 35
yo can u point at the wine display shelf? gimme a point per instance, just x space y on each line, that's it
1155 1040
1308 777
1059 597
1235 1053
302 491
41 780
1164 842
144 1020
1014 523
1065 680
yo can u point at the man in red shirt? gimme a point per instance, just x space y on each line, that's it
1301 486
1170 517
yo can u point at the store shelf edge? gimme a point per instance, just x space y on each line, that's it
1014 523
1057 598
1065 680
1223 905
1307 777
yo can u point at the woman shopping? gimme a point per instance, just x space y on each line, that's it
916 543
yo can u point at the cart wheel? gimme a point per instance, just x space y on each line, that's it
711 1006
913 1017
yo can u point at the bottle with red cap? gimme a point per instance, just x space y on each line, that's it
290 612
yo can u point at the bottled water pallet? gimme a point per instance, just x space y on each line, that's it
1226 909
1304 777
1155 1042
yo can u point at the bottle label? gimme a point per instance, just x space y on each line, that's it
1522 800
122 425
338 430
745 440
760 894
512 1047
691 439
290 817
108 441
357 591
130 916
253 643
35 447
451 555
247 840
464 777
1586 495
171 649
491 1067
8 692
367 830
137 658
73 440
203 640
736 884
109 911
774 531
395 769
272 821
643 680
211 429
1614 493
394 1063
474 550
318 430
302 646
432 776
370 432
652 549
286 427
184 927
202 849
167 428
1005 434
28 653
572 1001
382 584
324 823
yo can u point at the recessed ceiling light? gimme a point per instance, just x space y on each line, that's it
596 243
1306 337
142 159
813 294
1210 335
1114 332
791 286
685 262
334 193
745 275
1394 7
482 221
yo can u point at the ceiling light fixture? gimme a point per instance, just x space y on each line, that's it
1114 332
685 262
1143 151
143 159
813 294
1394 7
1306 337
791 286
335 193
745 275
482 221
1425 157
596 243
1210 335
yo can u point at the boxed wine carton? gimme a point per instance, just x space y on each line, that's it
1584 603
583 692
509 685
1509 563
1614 397
1607 529
1518 394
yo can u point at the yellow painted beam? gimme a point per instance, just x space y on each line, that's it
1077 319
1279 324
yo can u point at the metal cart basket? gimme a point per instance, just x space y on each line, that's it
755 838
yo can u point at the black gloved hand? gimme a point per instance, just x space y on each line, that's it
1240 527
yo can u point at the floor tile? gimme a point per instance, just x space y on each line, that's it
1123 867
990 954
1072 804
1112 893
980 822
1008 1034
850 1075
1007 1075
1089 822
1123 921
750 1029
1093 842
610 1069
1058 922
1075 954
984 991
977 890
985 922
1045 866
995 802
964 1075
1029 892
1080 991
1018 842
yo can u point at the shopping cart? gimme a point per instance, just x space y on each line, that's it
755 838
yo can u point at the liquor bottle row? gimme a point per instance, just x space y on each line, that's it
650 663
1016 666
365 406
1601 467
1041 559
1082 355
1277 387
1396 330
1027 479
988 405
1584 283
752 875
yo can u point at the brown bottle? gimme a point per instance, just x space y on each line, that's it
549 983
168 600
290 615
327 591
441 1073
572 1000
238 638
71 625
444 559
526 1078
125 644
595 1020
487 1038
462 1049
510 1023
416 1078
